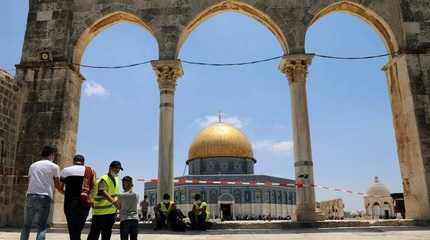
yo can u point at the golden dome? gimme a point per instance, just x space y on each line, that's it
220 140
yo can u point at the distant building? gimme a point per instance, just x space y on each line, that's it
332 209
378 201
223 155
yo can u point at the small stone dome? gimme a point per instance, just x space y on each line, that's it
220 140
378 189
5 75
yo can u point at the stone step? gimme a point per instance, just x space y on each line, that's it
283 224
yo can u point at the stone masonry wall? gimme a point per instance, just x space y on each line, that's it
416 171
10 104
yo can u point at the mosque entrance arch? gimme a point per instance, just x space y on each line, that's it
226 204
376 210
388 210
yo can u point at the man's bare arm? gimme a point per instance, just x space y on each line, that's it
59 185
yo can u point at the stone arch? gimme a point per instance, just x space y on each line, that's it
376 209
226 198
385 28
101 24
234 6
366 14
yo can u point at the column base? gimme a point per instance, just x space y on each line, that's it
308 216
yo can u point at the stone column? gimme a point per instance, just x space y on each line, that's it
168 71
49 116
406 76
295 67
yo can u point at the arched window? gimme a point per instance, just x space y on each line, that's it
258 196
178 197
285 198
237 196
247 196
203 195
213 196
273 197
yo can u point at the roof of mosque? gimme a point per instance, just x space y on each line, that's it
220 140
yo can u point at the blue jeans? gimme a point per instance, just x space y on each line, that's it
129 228
37 209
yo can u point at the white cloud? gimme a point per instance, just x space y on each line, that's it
95 89
281 148
281 126
208 120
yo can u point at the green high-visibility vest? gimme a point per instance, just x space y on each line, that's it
198 206
164 209
102 206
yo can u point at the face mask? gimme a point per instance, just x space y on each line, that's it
114 174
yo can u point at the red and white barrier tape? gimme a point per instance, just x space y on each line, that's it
298 184
341 190
182 181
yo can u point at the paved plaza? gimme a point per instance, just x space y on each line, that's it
379 233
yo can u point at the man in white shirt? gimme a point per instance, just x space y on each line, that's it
43 175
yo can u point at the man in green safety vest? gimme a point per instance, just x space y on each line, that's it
199 215
162 211
105 203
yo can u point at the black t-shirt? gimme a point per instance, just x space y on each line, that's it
72 177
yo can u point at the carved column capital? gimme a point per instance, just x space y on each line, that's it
393 61
295 67
168 72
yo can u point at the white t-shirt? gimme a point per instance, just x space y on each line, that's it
72 177
41 174
75 170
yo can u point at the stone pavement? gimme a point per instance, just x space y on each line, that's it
371 233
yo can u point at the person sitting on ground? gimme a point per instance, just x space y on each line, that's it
161 211
175 219
144 208
199 215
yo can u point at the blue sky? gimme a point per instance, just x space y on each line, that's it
350 113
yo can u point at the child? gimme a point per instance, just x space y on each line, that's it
129 218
